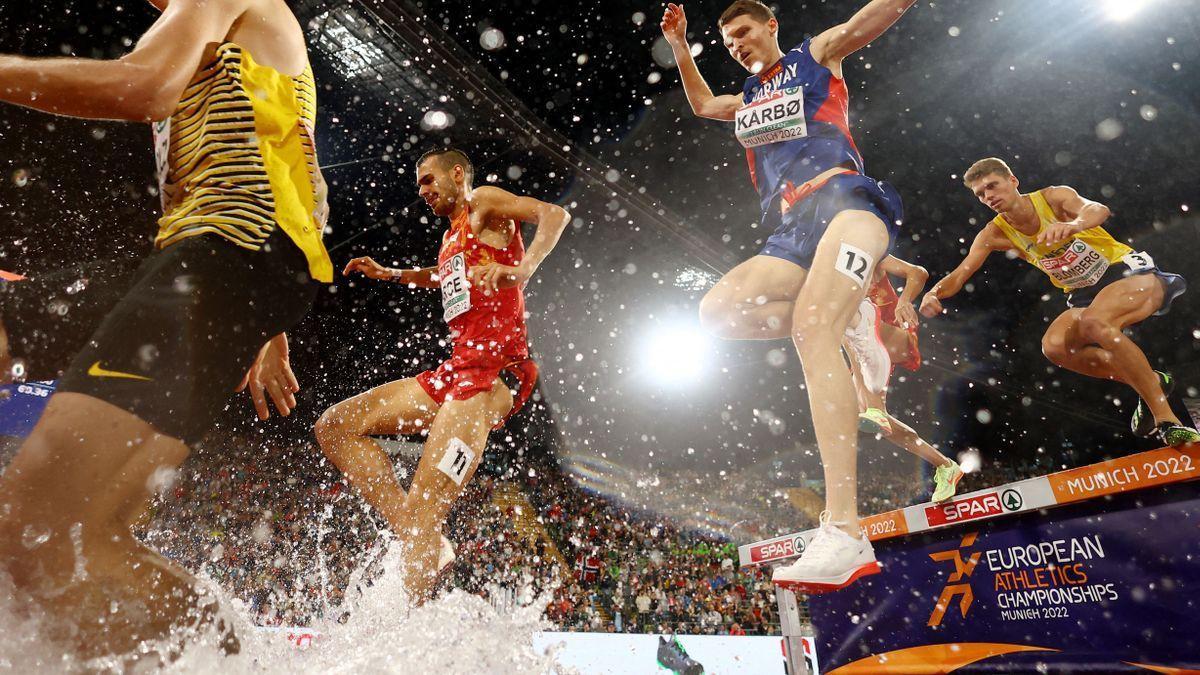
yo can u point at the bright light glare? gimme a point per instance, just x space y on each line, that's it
1121 10
970 460
676 355
436 120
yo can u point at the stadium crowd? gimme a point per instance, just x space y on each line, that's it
278 530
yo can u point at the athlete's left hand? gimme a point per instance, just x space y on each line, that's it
272 373
1056 232
907 315
494 276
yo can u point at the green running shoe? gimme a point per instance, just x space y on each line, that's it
1176 435
1143 422
945 481
874 421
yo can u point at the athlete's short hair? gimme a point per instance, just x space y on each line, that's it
448 157
986 167
752 8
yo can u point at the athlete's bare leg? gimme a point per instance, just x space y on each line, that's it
400 407
896 341
434 491
753 301
827 302
1090 341
64 538
901 435
866 398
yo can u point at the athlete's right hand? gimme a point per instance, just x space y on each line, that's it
368 268
930 306
674 25
271 375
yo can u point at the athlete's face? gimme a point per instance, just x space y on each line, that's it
998 193
439 185
750 42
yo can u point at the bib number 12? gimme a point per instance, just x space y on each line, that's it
855 263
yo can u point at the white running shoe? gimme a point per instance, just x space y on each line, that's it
446 555
869 350
832 561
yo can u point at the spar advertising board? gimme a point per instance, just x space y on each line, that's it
1092 570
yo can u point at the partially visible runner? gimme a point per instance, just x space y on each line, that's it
1109 287
238 249
883 335
482 270
830 225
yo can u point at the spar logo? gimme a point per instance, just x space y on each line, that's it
972 508
780 548
958 585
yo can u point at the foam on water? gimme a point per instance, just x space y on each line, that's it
381 633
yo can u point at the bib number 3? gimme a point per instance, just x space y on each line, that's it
855 263
1139 262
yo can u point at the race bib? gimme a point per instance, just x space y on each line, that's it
456 288
778 117
1075 266
457 461
1138 262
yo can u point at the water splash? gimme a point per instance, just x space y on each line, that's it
378 632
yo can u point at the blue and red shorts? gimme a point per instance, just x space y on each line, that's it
801 214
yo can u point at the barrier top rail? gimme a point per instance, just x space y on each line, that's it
1124 474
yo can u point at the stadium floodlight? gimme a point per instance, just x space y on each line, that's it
436 120
676 354
1121 10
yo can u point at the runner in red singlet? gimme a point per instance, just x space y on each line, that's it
482 268
884 334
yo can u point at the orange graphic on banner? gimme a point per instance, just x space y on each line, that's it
884 525
956 590
1146 469
932 658
1166 670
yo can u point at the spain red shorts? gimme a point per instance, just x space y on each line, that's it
464 375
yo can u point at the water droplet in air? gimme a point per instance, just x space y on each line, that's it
32 537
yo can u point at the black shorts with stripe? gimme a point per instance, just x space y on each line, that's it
175 347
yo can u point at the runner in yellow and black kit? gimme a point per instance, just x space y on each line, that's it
237 262
1109 287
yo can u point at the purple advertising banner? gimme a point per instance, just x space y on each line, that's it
1107 585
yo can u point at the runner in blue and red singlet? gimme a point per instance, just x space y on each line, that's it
830 225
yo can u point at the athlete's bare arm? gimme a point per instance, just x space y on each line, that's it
989 240
835 44
915 277
1077 213
422 277
493 204
700 97
144 85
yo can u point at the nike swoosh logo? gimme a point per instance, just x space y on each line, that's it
97 371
